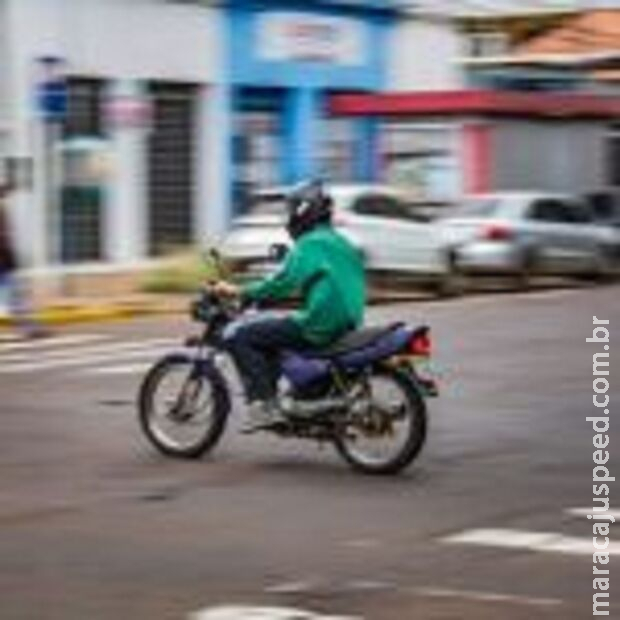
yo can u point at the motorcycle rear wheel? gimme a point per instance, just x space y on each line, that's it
411 411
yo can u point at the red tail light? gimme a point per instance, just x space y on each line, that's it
496 232
421 343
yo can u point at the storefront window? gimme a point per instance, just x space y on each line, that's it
257 152
337 151
421 160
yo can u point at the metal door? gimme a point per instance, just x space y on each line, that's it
81 204
171 166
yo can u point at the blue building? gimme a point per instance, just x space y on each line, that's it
285 59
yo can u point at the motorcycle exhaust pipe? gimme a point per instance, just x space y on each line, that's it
310 408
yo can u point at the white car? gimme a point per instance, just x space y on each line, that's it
374 217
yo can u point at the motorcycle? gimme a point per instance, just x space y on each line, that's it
365 394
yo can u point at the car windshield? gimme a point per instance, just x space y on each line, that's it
475 207
605 208
274 203
267 204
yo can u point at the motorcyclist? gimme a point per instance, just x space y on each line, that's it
327 271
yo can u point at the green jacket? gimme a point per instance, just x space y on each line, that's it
329 273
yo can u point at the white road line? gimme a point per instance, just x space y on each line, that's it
124 369
79 351
530 541
584 512
46 343
488 597
363 543
293 587
118 353
243 612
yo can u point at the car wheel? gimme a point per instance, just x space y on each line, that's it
523 277
604 267
452 282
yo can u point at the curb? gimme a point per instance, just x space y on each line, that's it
71 314
93 313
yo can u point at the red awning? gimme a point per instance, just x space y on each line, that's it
477 102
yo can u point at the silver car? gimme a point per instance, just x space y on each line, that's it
526 233
374 217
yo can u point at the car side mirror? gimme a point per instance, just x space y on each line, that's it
278 252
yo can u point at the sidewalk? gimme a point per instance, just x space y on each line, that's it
83 310
69 311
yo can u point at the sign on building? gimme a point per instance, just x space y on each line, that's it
296 36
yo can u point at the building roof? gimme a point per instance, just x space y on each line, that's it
586 33
478 103
585 41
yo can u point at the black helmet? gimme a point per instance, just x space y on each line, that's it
308 205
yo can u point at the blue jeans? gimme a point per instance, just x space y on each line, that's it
256 349
15 297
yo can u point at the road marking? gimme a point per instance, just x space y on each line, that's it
488 597
124 369
363 543
117 352
41 357
43 343
369 585
584 512
531 541
293 587
262 613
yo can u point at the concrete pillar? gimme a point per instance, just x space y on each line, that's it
366 153
476 157
302 127
125 204
213 164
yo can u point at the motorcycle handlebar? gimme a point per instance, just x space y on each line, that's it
218 263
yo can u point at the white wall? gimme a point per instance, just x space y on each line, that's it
122 38
4 62
4 80
118 40
423 54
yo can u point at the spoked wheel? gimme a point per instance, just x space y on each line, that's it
183 406
389 434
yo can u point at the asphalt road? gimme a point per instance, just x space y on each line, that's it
94 525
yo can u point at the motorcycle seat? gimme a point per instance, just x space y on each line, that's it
353 341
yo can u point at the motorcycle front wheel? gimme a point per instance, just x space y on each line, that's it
183 406
387 437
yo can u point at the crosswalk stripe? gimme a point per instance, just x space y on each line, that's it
584 512
124 369
46 343
489 597
108 353
77 351
248 612
531 541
